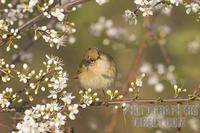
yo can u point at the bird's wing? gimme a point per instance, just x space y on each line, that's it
106 76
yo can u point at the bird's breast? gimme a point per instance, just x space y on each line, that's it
99 75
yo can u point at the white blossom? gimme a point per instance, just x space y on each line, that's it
54 37
58 13
42 118
59 83
87 100
32 3
101 2
193 47
58 121
194 124
139 2
73 110
100 26
159 87
28 126
139 82
167 10
192 7
146 11
4 101
23 77
153 79
67 98
176 2
60 41
130 17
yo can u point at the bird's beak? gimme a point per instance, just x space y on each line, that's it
75 77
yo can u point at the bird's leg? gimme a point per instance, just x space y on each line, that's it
106 99
104 93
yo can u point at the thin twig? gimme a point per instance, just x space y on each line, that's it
164 54
14 2
120 102
30 22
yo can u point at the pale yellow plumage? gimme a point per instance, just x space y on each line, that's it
97 70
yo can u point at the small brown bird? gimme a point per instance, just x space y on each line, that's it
97 70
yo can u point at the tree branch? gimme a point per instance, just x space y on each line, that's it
120 102
133 71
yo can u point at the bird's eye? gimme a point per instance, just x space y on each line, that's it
91 61
89 48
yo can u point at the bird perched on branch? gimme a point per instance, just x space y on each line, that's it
97 70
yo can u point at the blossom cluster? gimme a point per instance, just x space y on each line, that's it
178 90
53 76
58 81
5 70
7 97
135 86
101 2
42 118
87 97
54 37
114 94
118 36
148 7
19 14
8 33
45 8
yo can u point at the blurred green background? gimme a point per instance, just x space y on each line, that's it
94 119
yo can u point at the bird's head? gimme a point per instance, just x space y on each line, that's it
92 54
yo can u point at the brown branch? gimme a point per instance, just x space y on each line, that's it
120 102
30 22
143 101
178 130
134 69
73 3
132 73
40 16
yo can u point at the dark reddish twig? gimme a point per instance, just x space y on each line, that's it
132 73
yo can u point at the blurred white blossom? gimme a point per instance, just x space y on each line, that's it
119 37
130 16
194 124
176 2
193 47
101 2
158 73
192 7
